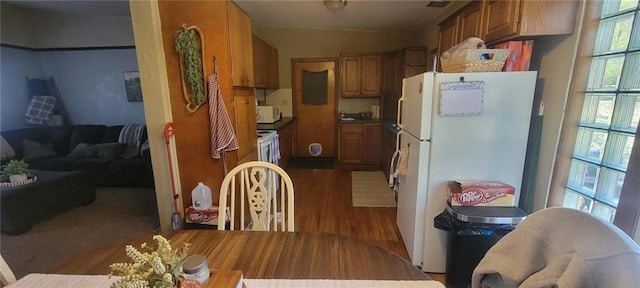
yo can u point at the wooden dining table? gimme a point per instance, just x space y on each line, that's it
265 255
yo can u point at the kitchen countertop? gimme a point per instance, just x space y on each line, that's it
359 121
283 122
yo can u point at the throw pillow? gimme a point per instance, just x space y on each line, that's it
6 152
130 151
108 151
33 150
81 151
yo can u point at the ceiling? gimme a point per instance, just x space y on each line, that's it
365 15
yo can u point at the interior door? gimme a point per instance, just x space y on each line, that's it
315 117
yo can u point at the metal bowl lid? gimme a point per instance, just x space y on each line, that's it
194 264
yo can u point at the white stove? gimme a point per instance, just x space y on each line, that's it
268 149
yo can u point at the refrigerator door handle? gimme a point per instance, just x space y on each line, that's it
398 140
399 115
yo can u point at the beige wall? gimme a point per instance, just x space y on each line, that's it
316 43
555 73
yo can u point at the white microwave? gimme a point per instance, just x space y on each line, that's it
267 114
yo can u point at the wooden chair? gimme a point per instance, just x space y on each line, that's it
258 183
6 275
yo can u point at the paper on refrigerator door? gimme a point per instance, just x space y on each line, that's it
461 98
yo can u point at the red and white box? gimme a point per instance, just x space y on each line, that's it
207 217
480 193
519 55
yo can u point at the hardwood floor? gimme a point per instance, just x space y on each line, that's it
323 204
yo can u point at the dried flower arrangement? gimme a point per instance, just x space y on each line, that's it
189 43
159 268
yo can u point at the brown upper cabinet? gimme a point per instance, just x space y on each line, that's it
462 25
361 75
398 65
241 46
510 19
265 65
498 20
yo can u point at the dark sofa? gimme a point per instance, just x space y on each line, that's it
104 171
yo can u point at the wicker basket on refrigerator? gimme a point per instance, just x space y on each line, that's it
476 60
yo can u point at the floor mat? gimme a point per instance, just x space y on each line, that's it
371 189
312 163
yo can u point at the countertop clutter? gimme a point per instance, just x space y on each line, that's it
362 117
284 121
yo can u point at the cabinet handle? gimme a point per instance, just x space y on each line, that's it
246 102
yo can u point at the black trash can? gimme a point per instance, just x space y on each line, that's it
471 231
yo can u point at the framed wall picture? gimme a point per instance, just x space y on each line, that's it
132 86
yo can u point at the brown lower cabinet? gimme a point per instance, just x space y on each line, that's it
359 143
285 141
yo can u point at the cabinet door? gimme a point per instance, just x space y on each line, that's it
415 61
350 78
391 78
371 75
241 46
351 141
501 19
246 126
260 65
448 36
372 142
471 22
273 70
286 145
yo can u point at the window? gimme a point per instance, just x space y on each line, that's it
606 127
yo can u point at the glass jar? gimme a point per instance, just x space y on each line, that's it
196 267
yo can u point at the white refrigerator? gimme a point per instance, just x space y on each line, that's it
478 134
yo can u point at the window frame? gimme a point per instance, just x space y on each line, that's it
628 210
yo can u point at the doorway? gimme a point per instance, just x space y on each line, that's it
314 106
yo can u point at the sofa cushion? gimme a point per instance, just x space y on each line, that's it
34 150
108 151
132 135
127 166
14 137
53 164
81 151
91 165
60 137
111 134
91 134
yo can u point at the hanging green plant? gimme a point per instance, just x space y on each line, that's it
190 46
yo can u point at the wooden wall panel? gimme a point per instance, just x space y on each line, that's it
192 133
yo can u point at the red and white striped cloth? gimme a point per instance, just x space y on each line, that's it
223 137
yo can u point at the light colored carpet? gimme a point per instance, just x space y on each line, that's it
117 214
371 189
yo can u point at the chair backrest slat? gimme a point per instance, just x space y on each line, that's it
6 275
259 183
